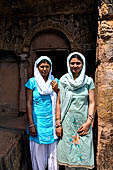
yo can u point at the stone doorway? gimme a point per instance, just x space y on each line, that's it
9 83
58 58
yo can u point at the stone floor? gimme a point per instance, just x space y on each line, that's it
14 151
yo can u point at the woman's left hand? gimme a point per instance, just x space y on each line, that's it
54 86
83 130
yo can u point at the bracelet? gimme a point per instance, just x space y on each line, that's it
57 118
31 125
57 126
90 117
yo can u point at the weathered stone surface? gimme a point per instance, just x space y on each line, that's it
44 7
75 19
105 91
106 10
104 83
106 41
105 116
14 149
19 31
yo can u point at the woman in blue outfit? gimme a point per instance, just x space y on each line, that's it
74 116
41 102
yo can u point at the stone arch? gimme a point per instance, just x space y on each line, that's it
50 39
47 25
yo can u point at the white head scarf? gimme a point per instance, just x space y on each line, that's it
43 87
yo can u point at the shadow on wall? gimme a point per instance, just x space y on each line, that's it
90 56
95 138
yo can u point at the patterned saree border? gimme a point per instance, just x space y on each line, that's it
76 166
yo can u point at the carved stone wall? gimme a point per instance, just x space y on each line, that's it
104 82
79 29
20 23
76 19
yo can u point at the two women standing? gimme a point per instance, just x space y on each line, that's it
74 116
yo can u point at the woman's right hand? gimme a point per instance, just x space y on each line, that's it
32 131
59 131
54 85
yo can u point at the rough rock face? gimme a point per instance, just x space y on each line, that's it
104 82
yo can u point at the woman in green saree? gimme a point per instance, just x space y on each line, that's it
74 116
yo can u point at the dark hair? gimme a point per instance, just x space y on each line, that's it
44 61
76 56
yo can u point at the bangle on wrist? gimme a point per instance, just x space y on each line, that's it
31 125
57 126
90 117
57 118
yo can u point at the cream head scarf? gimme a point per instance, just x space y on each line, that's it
45 88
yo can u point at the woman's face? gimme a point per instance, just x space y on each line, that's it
75 65
44 69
